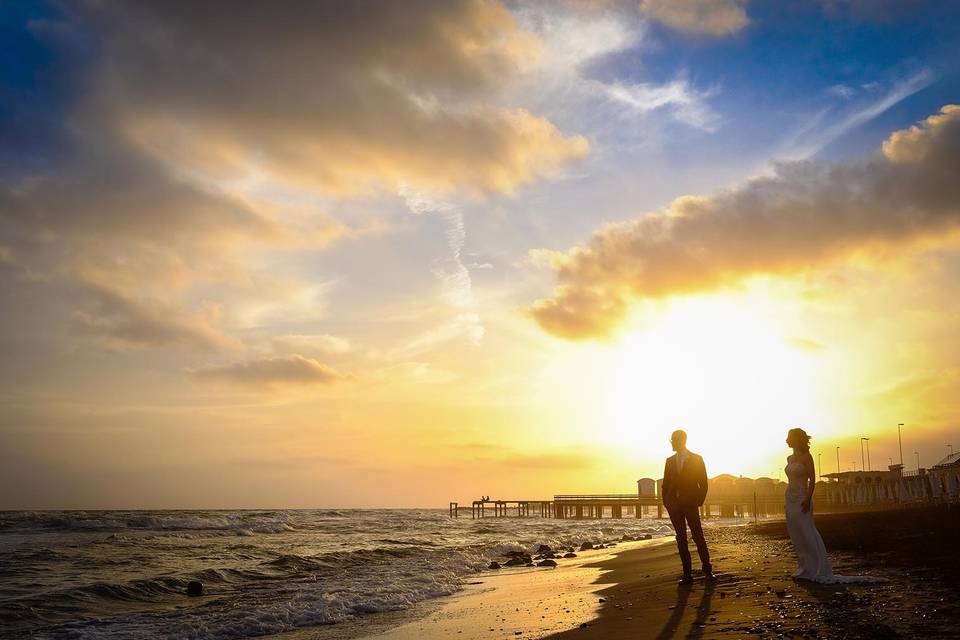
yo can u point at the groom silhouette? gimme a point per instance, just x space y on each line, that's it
684 489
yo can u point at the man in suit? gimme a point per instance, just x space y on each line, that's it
684 490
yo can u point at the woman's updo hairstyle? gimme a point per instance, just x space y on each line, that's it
798 439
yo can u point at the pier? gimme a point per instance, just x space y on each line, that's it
617 506
503 508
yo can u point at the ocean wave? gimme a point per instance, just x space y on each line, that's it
123 574
234 523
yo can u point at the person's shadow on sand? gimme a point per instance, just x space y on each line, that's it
673 622
703 611
672 625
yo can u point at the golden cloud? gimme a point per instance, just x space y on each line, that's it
710 17
806 216
333 97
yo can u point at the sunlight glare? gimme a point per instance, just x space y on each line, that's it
718 368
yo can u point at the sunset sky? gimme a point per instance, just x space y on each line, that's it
376 254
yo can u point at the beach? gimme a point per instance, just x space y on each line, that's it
634 593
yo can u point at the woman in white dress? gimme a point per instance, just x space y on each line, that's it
812 561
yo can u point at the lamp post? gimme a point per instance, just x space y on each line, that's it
917 453
950 446
838 460
863 464
900 439
819 465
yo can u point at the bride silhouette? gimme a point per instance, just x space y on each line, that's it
813 563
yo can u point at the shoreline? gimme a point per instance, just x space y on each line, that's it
511 602
631 590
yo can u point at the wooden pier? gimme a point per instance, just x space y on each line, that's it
503 508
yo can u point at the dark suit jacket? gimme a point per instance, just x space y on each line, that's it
686 488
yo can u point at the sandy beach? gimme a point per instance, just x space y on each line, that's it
631 591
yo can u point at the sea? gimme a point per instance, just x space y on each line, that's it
124 574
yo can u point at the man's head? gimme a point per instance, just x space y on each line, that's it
679 440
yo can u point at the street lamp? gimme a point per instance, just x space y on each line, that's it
900 439
863 465
819 465
917 453
838 460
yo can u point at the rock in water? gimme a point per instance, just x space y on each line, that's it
494 565
586 546
544 548
570 555
547 563
194 588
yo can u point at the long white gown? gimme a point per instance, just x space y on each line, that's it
813 563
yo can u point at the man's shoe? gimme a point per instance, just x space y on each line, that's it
708 572
686 579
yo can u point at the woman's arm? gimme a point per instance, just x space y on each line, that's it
811 482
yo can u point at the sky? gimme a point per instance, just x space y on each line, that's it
384 254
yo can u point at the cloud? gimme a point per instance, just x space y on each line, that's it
189 142
271 374
806 216
577 38
336 97
686 104
124 323
817 137
913 145
709 17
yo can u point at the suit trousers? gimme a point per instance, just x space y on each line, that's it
681 517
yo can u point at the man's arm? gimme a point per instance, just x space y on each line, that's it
702 480
665 486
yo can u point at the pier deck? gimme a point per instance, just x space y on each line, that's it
597 506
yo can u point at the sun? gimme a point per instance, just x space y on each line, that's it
720 368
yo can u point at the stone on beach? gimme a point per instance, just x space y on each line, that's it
194 588
547 563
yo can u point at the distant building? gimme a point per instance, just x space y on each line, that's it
647 487
945 478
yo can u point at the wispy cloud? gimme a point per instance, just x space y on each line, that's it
686 104
813 136
452 272
271 374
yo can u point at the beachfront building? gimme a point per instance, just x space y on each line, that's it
945 478
866 489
